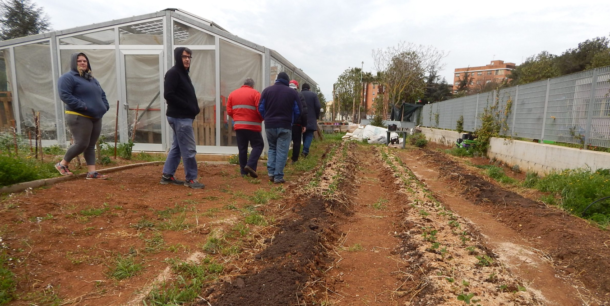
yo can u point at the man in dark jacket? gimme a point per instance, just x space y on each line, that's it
299 125
279 106
313 114
182 108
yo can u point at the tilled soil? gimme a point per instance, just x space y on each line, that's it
572 247
297 254
369 225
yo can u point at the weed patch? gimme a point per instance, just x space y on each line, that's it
125 267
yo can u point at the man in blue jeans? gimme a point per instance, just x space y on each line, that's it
279 106
182 108
313 114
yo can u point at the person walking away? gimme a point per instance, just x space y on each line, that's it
242 107
182 108
279 106
86 104
313 114
299 125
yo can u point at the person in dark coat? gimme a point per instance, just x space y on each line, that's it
86 104
299 125
313 114
182 108
279 106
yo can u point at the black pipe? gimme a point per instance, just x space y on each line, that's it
584 211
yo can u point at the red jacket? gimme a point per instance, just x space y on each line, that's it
243 108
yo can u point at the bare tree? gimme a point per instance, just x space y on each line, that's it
403 70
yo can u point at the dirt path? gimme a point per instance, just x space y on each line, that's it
554 253
368 269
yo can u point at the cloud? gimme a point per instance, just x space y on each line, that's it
326 37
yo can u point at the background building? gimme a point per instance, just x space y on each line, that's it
497 71
129 57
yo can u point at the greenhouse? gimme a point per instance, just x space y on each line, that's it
129 57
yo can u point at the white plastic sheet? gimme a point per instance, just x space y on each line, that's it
375 134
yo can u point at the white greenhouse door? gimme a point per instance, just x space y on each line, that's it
143 93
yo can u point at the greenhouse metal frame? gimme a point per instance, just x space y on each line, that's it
129 57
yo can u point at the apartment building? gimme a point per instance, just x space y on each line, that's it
497 71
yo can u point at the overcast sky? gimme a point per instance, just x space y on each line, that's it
326 37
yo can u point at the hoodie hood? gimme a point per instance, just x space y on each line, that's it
178 58
74 67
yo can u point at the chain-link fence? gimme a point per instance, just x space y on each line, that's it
570 109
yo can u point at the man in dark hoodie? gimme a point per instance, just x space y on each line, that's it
279 106
85 105
313 114
182 108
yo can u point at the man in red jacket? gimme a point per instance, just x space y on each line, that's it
243 108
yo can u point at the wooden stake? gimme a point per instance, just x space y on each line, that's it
116 127
35 132
30 139
15 138
39 135
135 122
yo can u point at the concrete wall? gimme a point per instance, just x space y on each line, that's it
444 137
530 156
543 158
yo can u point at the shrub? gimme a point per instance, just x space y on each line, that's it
531 178
17 170
579 188
124 150
54 150
460 124
422 142
377 121
418 140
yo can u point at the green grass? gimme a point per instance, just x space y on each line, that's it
7 279
154 243
255 219
577 189
241 228
174 223
142 224
147 157
262 196
125 267
380 204
497 174
191 279
167 213
94 212
213 245
460 152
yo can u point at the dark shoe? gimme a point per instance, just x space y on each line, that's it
292 162
251 171
194 184
280 181
170 179
271 179
96 176
63 170
304 155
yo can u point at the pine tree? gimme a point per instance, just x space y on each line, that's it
20 18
